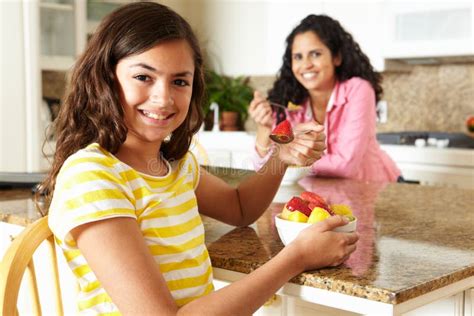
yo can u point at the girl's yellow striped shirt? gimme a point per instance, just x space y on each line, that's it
94 185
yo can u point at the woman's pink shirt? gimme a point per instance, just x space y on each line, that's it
352 150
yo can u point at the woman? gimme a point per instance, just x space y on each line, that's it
326 73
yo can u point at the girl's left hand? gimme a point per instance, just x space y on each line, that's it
306 148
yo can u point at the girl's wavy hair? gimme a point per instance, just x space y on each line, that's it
91 111
354 62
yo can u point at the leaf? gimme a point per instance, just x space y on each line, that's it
230 93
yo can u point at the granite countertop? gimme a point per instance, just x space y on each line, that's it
413 239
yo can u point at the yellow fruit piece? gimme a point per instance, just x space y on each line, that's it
286 212
292 107
297 216
341 209
318 214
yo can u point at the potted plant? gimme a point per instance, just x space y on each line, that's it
232 94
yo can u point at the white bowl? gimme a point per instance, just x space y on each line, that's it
288 230
295 173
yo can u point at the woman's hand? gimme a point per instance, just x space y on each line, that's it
261 111
307 146
317 246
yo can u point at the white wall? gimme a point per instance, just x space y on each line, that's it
245 37
12 88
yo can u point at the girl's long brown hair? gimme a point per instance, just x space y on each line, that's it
91 111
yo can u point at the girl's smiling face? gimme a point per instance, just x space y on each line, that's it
155 89
312 62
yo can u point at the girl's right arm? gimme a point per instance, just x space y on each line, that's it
117 253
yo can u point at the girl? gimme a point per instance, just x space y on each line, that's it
127 191
325 71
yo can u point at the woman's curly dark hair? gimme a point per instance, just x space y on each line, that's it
92 111
354 62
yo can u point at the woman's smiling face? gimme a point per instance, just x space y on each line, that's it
312 62
155 89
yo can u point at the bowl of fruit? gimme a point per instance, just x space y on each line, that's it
309 208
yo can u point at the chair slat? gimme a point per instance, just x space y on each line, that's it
54 266
33 286
18 260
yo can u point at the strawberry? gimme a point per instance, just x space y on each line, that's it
298 204
282 133
312 197
315 200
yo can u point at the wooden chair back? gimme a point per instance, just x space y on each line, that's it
17 263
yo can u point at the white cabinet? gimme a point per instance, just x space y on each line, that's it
304 301
62 33
97 9
449 167
434 166
224 149
416 29
35 35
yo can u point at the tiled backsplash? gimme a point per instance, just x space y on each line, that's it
434 98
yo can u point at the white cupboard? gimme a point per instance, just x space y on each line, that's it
35 35
421 28
62 32
292 300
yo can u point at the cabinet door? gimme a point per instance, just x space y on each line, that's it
62 34
97 10
429 29
469 302
296 306
451 306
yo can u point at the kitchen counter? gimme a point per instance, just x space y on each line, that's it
414 240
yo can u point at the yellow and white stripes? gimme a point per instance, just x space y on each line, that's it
94 185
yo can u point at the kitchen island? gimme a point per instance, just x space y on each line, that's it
416 247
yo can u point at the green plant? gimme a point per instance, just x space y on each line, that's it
230 93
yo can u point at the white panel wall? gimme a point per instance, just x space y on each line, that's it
364 20
247 37
13 151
